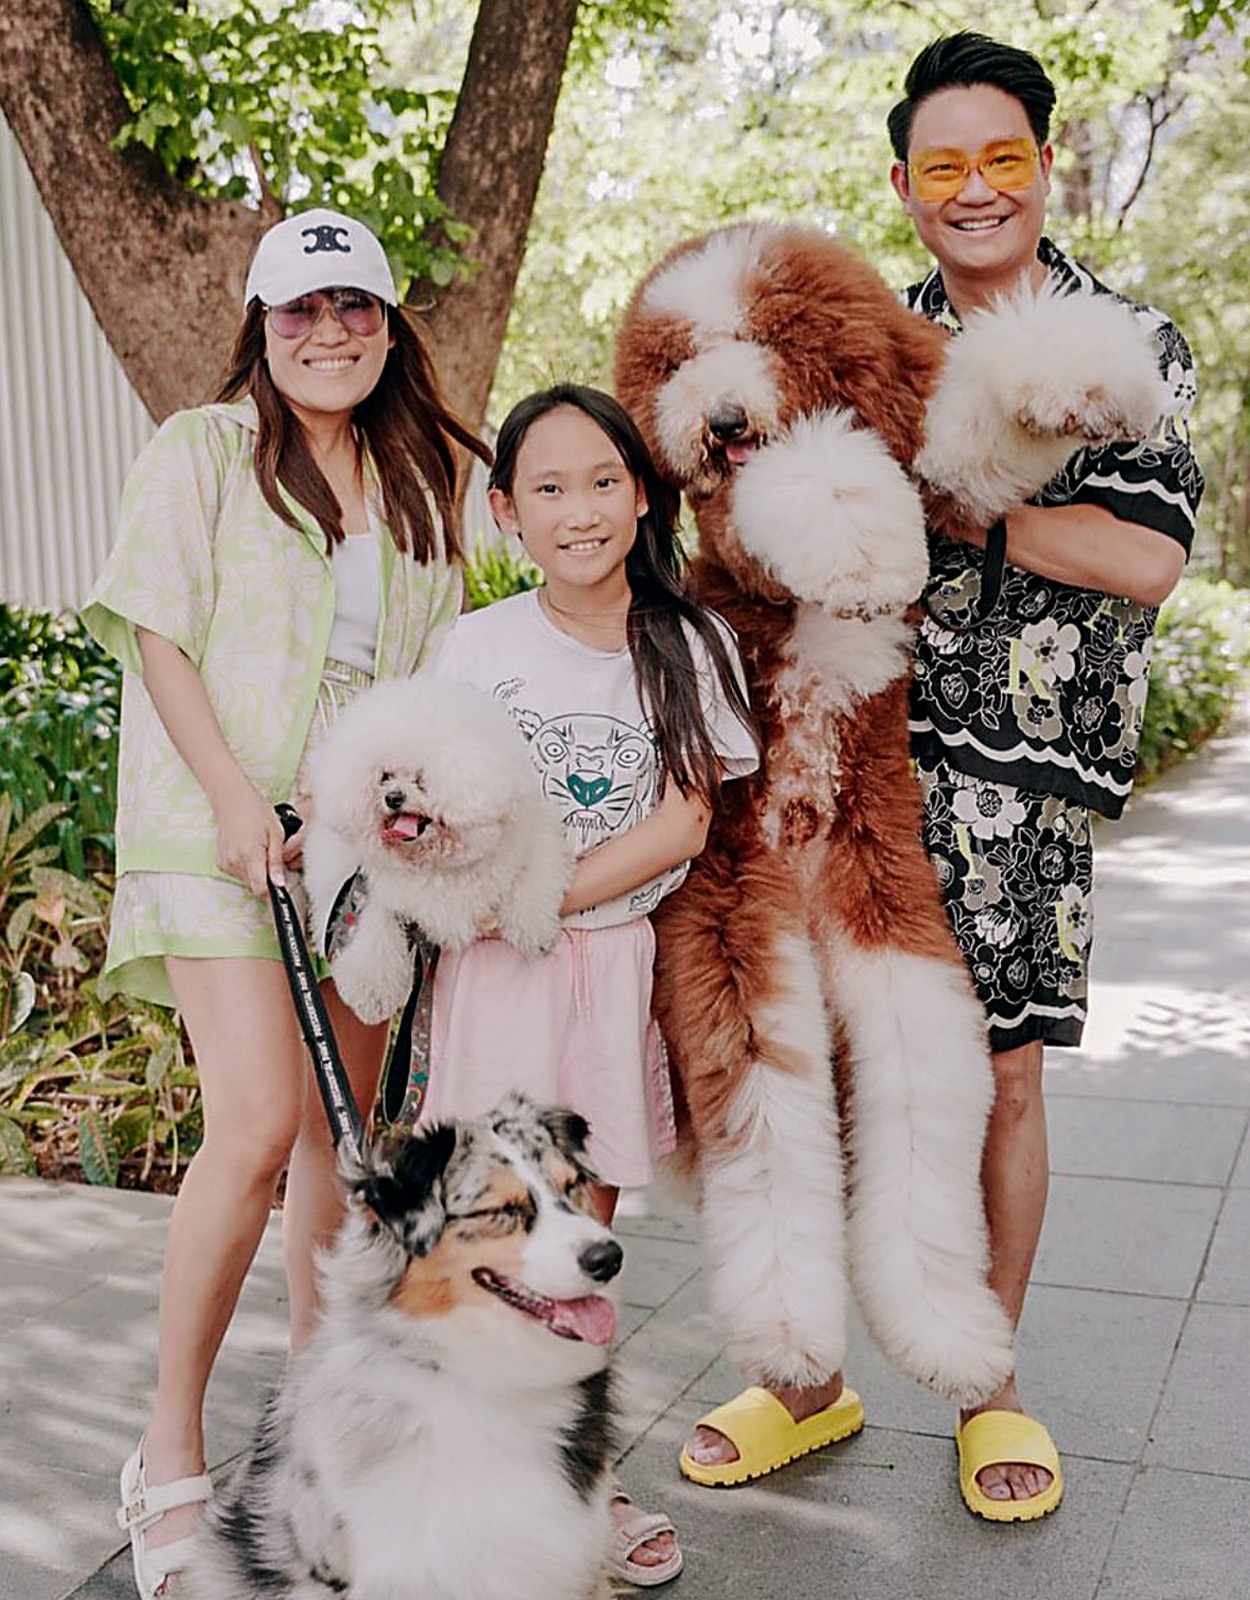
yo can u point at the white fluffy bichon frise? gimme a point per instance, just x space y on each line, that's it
427 789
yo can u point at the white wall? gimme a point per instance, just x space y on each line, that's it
70 424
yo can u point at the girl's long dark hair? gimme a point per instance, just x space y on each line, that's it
660 603
405 422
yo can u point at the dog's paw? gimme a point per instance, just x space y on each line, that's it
532 937
374 968
829 513
1094 417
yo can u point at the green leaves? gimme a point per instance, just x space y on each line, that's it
1201 14
290 105
1200 668
60 706
97 1150
15 1156
495 571
86 1079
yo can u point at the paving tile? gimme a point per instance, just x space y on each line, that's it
656 1213
1182 1536
33 1580
1203 1423
1168 1043
41 1556
75 1225
655 1269
112 1582
35 1289
1130 1139
1227 1275
1197 1077
1126 1236
659 1362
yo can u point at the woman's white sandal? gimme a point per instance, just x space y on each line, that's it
141 1507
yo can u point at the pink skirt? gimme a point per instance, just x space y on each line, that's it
572 1028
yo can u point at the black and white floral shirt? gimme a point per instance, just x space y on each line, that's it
1047 692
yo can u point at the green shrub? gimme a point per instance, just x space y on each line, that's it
60 700
1199 670
90 1084
495 571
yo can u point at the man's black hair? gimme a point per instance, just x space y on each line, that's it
963 60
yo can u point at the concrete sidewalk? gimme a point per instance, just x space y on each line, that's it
1135 1345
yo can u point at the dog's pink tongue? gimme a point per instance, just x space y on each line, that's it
405 826
592 1319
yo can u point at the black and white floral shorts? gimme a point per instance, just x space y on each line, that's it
1016 870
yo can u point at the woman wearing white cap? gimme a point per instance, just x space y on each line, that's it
278 550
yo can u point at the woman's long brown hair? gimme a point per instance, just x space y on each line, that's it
405 422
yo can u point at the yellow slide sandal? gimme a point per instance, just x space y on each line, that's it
766 1436
993 1438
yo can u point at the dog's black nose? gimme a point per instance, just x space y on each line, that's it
601 1260
394 799
727 420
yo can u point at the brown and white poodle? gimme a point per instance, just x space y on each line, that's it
815 424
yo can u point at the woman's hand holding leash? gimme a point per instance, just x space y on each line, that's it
250 840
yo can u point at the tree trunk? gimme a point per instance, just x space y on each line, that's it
162 267
488 177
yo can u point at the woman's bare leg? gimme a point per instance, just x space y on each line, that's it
250 1062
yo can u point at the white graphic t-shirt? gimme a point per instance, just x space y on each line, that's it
588 734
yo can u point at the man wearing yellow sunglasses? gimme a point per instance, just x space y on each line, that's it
1030 669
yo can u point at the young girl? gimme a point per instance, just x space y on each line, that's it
277 551
630 695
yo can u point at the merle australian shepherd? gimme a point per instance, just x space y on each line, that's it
447 1434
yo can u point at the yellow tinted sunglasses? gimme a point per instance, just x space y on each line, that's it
1005 164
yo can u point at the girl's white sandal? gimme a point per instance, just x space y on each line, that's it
141 1507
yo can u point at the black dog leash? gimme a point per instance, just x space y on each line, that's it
991 584
336 1092
407 1074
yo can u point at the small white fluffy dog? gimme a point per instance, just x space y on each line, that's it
1033 376
427 788
448 1432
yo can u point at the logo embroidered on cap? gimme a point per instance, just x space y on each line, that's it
325 238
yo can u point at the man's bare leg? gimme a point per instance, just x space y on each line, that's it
1015 1175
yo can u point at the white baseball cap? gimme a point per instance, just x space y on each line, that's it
318 250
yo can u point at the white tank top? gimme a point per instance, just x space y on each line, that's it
357 584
